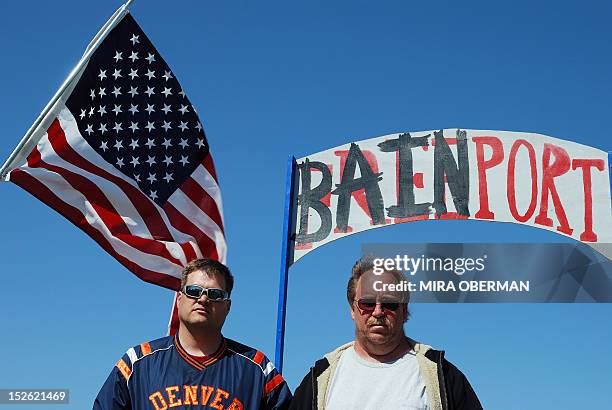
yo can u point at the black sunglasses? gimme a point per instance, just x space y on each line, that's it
368 305
196 292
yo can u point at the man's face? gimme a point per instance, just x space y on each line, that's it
203 312
379 327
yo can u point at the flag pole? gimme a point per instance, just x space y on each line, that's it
93 45
286 261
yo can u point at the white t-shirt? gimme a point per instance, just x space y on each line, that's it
360 384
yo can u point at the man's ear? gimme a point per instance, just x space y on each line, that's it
180 299
406 312
352 309
229 305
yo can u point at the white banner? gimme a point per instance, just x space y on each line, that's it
501 176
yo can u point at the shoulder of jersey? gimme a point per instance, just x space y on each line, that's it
257 358
138 352
249 354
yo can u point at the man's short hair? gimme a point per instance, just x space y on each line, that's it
366 264
210 267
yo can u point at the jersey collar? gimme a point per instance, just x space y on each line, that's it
194 362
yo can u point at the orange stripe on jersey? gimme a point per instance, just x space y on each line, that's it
272 384
145 348
124 369
259 356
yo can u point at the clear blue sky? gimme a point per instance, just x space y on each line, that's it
276 78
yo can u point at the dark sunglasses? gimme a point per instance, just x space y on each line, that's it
368 305
196 292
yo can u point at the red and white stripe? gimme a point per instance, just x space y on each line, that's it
153 242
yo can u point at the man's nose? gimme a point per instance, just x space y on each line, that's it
378 311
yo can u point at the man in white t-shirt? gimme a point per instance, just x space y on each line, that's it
382 368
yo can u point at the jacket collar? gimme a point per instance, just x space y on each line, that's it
333 356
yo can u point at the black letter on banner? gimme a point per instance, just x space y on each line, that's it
457 176
405 204
368 181
311 198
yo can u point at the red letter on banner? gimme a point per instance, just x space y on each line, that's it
560 166
585 164
496 158
510 186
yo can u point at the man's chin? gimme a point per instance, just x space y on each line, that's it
199 319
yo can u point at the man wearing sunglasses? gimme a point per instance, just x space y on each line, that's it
198 367
382 368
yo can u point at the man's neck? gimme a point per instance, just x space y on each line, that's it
386 353
202 342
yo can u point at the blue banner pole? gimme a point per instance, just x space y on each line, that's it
286 260
610 168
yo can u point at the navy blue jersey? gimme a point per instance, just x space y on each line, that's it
160 375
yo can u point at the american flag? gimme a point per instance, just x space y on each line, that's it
123 156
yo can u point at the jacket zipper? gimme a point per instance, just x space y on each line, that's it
442 382
314 389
